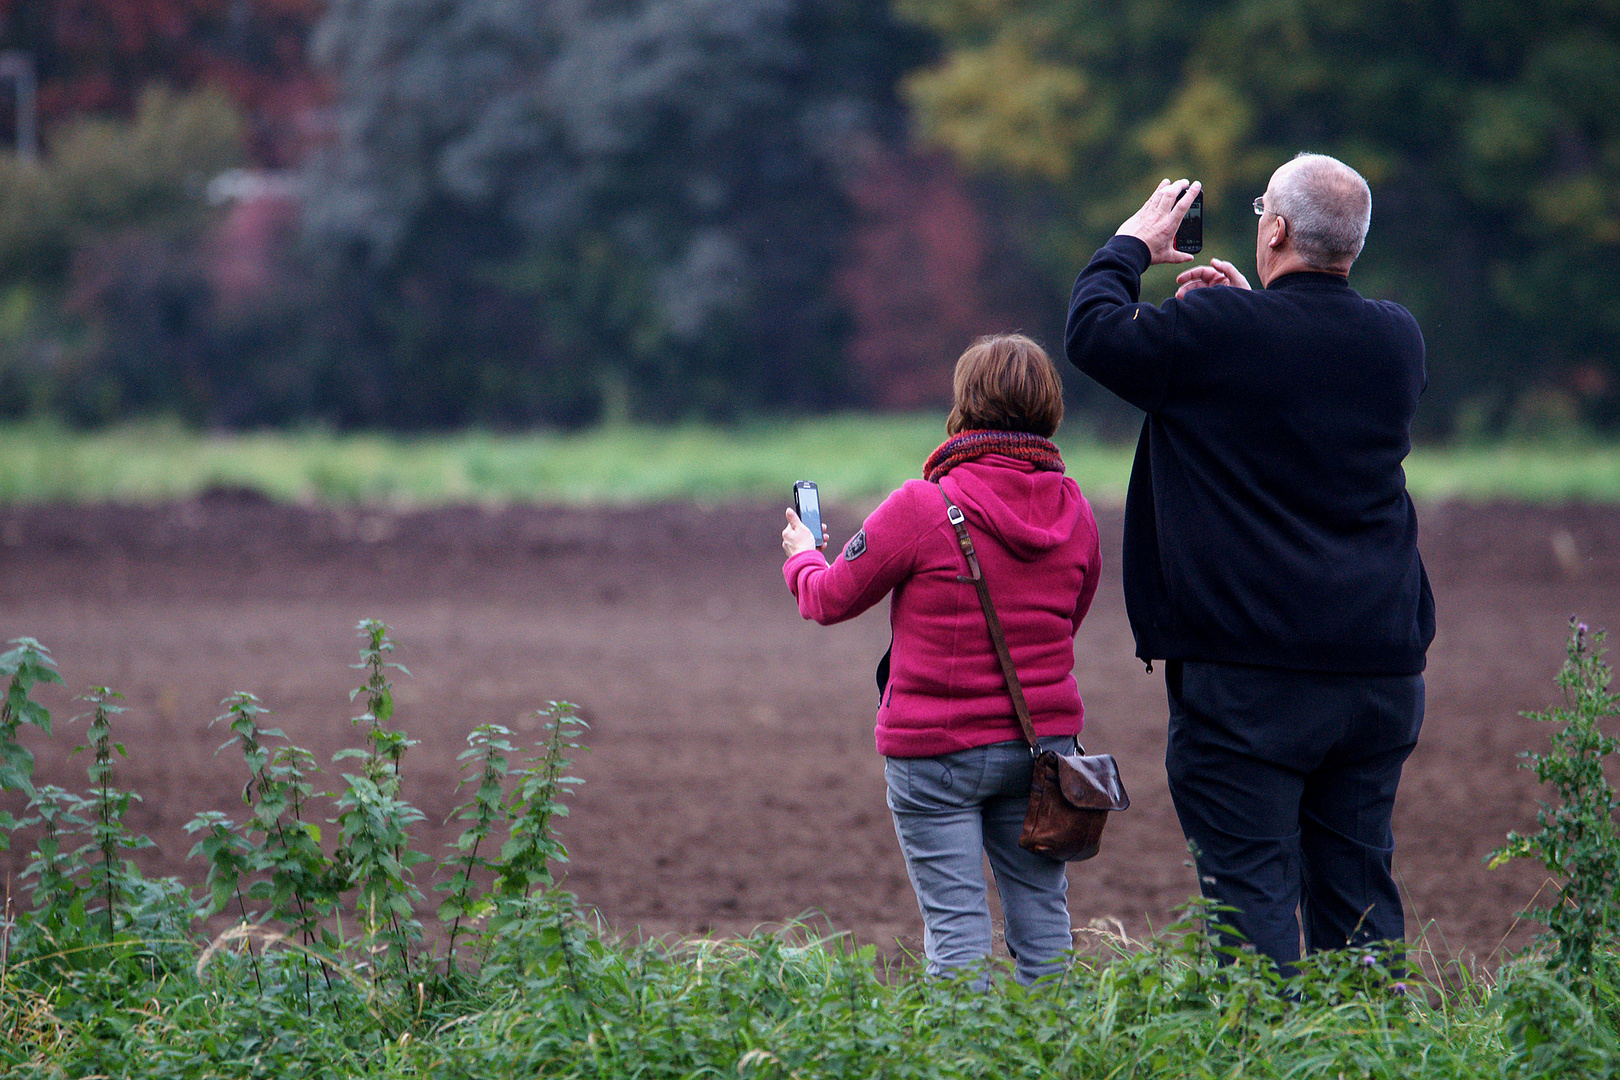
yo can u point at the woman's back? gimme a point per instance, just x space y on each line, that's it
1037 543
957 765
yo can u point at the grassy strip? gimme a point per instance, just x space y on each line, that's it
849 456
1555 472
560 1001
853 457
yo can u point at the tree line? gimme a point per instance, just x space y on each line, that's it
1486 131
570 211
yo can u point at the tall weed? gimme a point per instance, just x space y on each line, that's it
489 748
28 665
373 849
1579 838
109 877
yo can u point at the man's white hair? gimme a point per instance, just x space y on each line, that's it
1328 207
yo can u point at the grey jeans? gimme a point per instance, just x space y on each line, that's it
949 812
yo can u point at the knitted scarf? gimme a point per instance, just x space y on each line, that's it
1042 453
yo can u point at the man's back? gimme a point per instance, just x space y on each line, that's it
1267 521
1271 550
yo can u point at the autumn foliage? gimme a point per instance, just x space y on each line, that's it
97 56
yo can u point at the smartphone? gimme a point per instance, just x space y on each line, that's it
1190 233
807 504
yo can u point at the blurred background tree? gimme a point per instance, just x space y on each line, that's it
508 212
580 211
97 57
504 212
1486 130
107 303
98 284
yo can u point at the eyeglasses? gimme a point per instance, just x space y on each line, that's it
1260 210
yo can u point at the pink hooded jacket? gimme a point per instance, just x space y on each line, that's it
1037 543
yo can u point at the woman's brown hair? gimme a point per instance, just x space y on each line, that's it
1006 382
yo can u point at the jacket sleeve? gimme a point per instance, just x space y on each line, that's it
876 559
1124 345
1088 591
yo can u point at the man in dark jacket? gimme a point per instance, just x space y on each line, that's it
1270 553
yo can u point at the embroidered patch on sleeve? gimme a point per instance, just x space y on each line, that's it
856 546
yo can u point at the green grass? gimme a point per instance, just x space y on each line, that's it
560 1001
1554 472
852 457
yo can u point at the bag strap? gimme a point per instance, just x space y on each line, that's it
999 639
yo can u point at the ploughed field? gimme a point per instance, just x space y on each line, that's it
731 780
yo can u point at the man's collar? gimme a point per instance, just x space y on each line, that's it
1309 278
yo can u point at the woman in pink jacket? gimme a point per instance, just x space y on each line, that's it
957 766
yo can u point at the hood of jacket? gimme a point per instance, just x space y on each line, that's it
1030 510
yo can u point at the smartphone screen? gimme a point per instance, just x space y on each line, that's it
1190 233
807 504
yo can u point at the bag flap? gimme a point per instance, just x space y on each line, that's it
1091 782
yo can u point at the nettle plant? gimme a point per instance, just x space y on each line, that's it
28 664
1579 839
288 885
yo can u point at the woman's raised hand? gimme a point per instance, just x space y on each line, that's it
797 536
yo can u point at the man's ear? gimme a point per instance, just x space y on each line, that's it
1279 232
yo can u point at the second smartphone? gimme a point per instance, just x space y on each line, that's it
807 504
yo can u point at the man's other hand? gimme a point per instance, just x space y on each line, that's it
1156 223
1218 272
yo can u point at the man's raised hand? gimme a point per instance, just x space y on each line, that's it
1156 223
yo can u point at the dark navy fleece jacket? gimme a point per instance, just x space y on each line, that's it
1267 520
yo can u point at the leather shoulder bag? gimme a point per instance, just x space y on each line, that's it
1070 795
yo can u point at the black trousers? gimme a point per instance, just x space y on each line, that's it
1284 782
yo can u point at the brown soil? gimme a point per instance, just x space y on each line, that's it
731 779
